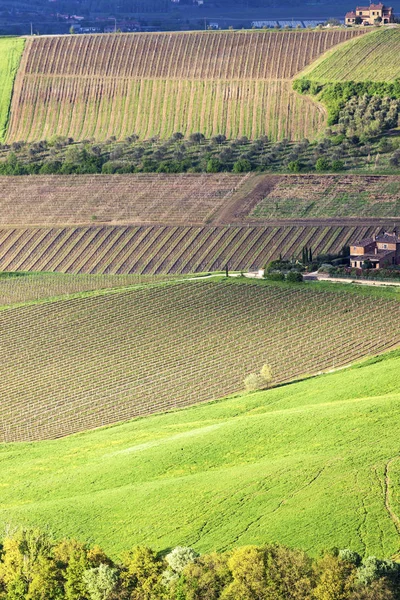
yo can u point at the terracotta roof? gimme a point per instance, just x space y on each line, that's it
372 256
362 8
364 242
350 15
388 237
376 6
382 237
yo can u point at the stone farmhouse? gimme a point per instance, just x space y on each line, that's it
380 251
368 15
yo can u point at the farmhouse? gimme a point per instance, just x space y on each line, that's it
378 252
370 15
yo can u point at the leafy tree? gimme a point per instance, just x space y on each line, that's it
335 578
142 574
75 588
207 577
100 582
196 138
350 555
180 557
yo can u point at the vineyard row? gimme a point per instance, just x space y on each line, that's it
162 249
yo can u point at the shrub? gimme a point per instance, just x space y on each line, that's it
243 165
322 164
275 276
213 165
294 277
254 382
295 166
337 165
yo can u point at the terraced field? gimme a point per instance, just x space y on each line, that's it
79 363
374 57
194 199
165 249
214 82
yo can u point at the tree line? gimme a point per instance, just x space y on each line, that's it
33 566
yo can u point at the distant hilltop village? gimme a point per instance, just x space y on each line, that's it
374 14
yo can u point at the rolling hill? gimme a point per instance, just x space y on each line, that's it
82 361
313 465
373 57
237 83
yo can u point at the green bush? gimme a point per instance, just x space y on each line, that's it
213 165
337 165
275 276
294 277
243 165
322 164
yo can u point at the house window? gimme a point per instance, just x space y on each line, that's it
360 13
385 246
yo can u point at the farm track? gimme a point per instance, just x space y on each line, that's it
102 85
105 358
168 249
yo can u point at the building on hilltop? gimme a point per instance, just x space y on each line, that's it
370 15
378 251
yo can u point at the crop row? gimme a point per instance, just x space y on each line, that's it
330 196
372 58
197 55
162 249
138 198
39 286
86 107
74 364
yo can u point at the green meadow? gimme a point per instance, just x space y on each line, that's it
314 464
10 56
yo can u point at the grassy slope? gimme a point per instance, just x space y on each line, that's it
372 57
303 464
10 55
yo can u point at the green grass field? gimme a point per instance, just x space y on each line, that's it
371 57
10 56
313 464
